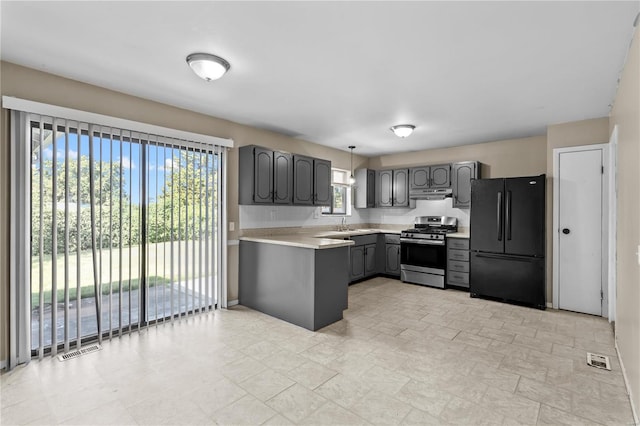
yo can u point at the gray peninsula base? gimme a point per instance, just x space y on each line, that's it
303 286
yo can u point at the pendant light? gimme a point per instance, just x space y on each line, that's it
403 130
208 67
352 179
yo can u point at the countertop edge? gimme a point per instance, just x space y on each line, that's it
301 242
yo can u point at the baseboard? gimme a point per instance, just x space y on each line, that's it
231 303
549 305
626 383
3 364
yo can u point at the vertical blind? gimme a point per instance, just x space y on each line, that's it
126 231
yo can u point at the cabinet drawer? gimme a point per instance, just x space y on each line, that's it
458 278
458 243
462 255
457 266
365 239
392 238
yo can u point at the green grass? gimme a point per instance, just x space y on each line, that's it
89 291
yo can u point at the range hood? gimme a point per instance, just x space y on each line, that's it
431 194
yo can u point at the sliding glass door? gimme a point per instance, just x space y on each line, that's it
124 231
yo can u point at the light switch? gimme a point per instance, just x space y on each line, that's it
232 226
638 254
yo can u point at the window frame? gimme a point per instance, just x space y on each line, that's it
339 178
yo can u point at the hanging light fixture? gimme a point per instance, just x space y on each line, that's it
352 179
403 130
208 67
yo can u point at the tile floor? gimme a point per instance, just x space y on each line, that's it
404 354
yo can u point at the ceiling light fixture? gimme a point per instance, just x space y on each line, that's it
403 130
208 67
352 179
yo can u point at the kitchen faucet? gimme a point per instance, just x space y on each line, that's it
343 224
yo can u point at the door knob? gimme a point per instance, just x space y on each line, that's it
566 231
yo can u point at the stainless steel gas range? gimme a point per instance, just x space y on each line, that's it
423 250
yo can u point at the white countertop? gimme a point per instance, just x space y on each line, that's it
458 235
319 241
302 241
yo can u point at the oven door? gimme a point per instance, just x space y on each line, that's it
424 254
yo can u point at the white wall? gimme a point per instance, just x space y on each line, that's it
406 216
252 217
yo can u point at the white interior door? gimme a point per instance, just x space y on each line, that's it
580 231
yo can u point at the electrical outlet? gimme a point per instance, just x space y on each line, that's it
638 254
232 226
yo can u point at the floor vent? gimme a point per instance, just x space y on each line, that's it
598 361
79 352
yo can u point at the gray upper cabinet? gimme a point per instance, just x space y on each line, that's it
419 178
322 182
311 181
384 188
282 177
255 185
392 188
440 176
303 180
429 177
365 188
462 174
401 188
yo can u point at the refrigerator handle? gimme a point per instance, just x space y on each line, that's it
508 216
499 215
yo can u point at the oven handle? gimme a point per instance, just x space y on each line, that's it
422 242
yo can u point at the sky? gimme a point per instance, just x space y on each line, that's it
159 161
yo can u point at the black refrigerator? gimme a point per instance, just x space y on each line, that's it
507 240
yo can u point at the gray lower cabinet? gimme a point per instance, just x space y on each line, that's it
356 263
370 260
392 264
461 175
458 262
303 286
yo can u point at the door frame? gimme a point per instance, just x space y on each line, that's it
613 222
604 239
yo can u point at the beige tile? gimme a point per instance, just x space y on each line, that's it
311 374
606 412
378 408
215 396
266 384
545 393
242 369
553 417
461 412
26 411
278 420
164 411
424 396
322 353
501 335
519 329
418 418
245 411
523 368
384 380
495 378
284 361
351 364
511 406
552 337
343 390
260 350
533 343
332 414
296 402
464 387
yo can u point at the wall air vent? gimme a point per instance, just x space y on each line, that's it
79 352
598 361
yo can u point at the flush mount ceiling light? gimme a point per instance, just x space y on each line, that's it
403 130
208 67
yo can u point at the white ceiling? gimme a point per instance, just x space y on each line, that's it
341 73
